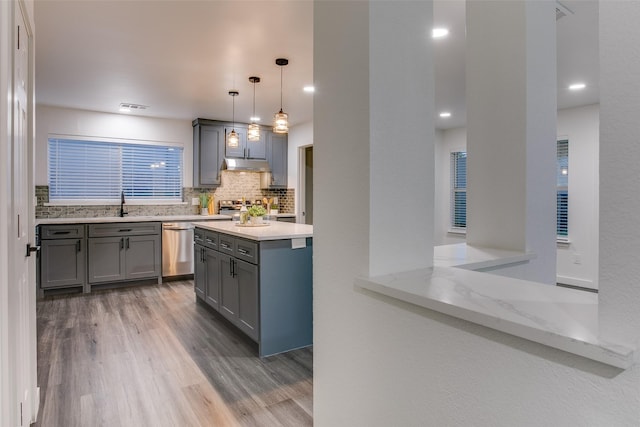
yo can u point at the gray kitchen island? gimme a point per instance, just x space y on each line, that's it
260 279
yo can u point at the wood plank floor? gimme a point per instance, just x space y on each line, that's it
153 356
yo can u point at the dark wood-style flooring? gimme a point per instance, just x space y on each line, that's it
152 356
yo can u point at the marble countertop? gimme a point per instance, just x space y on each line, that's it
163 218
558 317
276 230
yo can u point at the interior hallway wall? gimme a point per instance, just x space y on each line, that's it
378 362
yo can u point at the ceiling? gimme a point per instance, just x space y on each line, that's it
180 58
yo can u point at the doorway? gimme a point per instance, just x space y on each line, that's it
305 184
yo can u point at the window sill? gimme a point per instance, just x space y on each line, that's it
457 231
557 317
112 203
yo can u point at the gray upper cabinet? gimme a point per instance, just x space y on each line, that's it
277 150
208 152
62 256
246 149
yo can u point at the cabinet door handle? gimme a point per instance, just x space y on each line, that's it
78 246
233 267
248 153
203 254
121 243
127 243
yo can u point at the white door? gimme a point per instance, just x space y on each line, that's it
21 286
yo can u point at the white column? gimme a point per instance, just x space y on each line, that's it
619 298
511 130
402 135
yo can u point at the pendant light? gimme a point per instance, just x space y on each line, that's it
253 133
232 138
281 119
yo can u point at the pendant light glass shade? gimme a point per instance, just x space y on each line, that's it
232 139
281 122
253 132
281 119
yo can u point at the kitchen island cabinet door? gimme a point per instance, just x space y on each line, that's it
212 282
247 284
228 288
106 259
208 153
142 257
62 263
200 271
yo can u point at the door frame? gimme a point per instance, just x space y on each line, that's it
302 181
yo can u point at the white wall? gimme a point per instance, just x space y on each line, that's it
378 362
580 126
65 121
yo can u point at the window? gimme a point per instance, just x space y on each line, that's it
458 190
90 170
562 190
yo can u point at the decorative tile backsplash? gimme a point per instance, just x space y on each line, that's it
235 185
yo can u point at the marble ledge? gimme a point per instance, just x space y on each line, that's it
557 317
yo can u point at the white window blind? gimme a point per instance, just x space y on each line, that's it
562 191
458 190
99 170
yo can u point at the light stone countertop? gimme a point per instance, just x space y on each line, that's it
566 319
164 218
276 230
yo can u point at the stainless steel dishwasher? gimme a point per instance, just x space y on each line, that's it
177 248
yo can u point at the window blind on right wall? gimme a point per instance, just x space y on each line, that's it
562 189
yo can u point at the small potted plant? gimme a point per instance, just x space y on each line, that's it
256 213
204 203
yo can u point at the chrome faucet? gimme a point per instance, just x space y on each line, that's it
121 212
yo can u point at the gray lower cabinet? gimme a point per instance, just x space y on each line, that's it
123 251
263 288
62 256
239 293
206 278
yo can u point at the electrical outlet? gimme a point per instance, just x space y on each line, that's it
195 201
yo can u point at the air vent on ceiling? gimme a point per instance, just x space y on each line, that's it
131 107
562 10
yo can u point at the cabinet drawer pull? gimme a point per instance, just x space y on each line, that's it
225 246
243 252
124 230
61 232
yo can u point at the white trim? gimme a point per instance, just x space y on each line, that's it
6 64
116 140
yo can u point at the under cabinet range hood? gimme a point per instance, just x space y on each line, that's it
248 165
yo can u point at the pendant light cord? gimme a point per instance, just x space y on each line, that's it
281 88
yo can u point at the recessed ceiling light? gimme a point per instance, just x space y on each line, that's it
254 119
445 114
438 33
309 89
577 86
